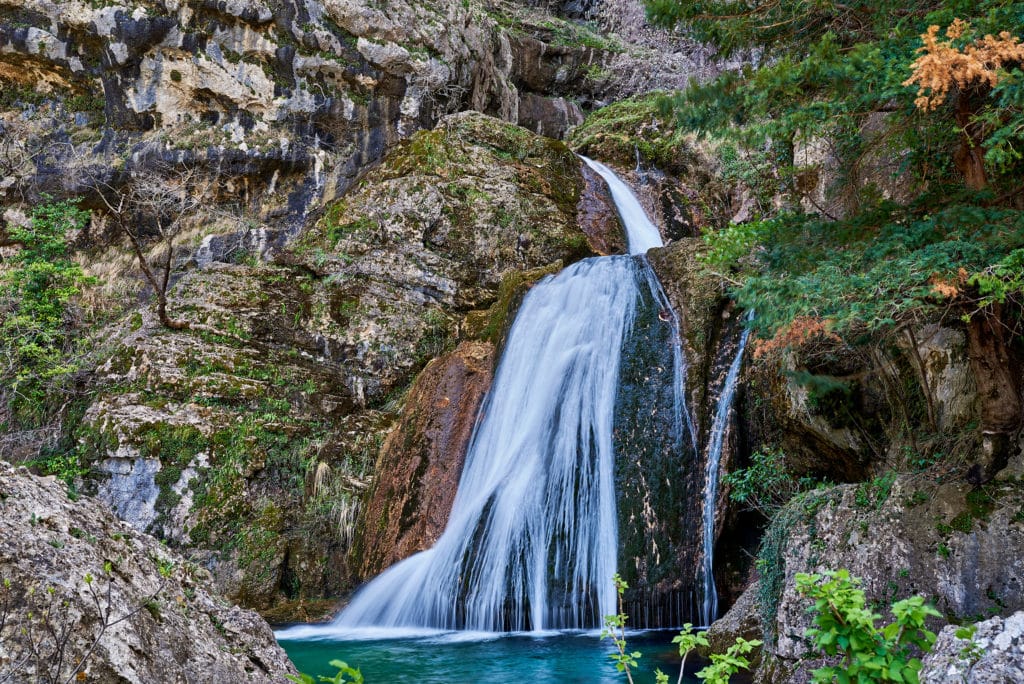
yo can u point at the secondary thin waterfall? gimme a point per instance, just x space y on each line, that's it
531 541
709 605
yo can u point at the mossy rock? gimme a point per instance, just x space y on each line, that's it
493 324
643 124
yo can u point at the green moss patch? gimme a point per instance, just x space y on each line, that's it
615 133
493 323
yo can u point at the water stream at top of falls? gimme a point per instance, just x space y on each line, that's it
532 538
640 231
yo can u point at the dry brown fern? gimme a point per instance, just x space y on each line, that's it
942 66
798 332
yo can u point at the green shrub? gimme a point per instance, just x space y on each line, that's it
345 674
765 485
38 288
847 628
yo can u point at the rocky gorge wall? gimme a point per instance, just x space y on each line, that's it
85 596
288 99
254 448
355 300
338 252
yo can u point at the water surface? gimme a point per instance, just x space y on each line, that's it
423 657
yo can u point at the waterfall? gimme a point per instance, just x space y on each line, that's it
642 234
531 541
709 604
593 364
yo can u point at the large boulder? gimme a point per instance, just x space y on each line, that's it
83 593
962 548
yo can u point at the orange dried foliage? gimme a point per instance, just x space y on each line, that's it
800 331
942 66
948 288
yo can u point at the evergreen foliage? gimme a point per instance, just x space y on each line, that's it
935 88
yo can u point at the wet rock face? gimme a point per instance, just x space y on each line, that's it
148 611
421 461
599 219
992 654
662 485
699 300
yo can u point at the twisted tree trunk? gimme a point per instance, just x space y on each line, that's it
996 374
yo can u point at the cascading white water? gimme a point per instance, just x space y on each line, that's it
642 234
531 541
709 603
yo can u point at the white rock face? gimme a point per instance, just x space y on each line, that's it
88 569
993 654
131 488
902 541
948 377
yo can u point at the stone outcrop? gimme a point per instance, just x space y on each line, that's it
251 446
660 484
991 653
837 412
289 100
743 619
421 461
121 606
961 548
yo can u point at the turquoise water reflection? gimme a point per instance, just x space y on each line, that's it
456 658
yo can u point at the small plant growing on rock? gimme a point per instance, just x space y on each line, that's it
46 641
615 629
688 640
765 485
847 628
723 665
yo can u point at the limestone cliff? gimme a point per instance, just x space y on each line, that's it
252 446
82 593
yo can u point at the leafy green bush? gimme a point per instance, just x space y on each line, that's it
725 665
38 287
345 674
765 485
847 628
